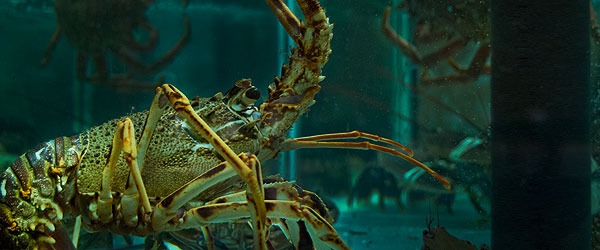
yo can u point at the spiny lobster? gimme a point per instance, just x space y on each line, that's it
196 162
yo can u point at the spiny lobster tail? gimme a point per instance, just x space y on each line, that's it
36 190
291 94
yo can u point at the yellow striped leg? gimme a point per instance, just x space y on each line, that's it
253 179
320 231
130 155
287 191
123 141
105 198
159 104
131 197
167 208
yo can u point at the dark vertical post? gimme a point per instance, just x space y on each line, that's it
540 122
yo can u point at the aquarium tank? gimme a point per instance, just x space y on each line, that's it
299 124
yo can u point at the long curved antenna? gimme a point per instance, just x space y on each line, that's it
317 142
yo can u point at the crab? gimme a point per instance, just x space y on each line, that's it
455 22
96 27
376 180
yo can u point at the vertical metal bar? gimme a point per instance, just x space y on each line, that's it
540 124
401 129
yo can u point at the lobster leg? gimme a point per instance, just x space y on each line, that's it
123 141
248 174
130 203
130 155
166 209
76 231
316 142
319 230
288 192
105 199
208 238
281 191
157 108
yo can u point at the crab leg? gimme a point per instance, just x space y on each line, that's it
50 47
410 51
476 68
170 55
120 81
144 47
124 54
314 142
101 69
81 66
423 34
249 175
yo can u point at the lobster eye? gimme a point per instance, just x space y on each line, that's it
253 93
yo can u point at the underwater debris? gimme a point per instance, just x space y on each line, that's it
437 238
